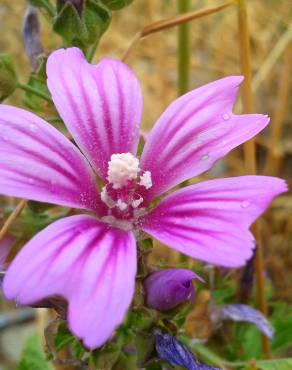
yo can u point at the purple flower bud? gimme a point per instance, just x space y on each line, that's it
166 289
31 36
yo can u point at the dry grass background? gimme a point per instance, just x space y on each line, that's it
214 54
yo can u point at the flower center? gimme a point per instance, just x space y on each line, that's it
126 183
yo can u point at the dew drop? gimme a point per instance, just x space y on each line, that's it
245 204
205 157
226 117
32 127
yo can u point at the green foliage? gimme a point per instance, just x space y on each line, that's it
282 321
32 357
81 29
63 337
37 80
280 364
116 4
8 78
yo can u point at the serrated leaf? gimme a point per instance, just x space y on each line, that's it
32 357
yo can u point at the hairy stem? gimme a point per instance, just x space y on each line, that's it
11 219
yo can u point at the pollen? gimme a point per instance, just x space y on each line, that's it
122 168
145 180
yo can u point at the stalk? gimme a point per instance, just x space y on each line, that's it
250 157
274 153
11 219
34 91
183 50
172 22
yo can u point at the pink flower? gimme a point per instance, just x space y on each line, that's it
90 259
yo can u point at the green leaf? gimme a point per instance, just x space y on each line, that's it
8 78
280 364
45 4
85 29
116 4
96 18
68 24
107 356
32 357
37 80
63 337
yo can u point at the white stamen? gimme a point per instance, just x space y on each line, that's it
106 198
122 168
145 180
121 205
137 202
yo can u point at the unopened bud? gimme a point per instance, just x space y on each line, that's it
166 289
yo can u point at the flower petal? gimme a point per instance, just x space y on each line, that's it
209 221
91 265
37 162
242 312
194 132
100 104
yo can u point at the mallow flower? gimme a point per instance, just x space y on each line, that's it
90 258
168 288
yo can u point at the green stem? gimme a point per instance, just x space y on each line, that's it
34 91
183 52
49 7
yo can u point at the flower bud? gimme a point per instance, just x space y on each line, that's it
166 289
31 36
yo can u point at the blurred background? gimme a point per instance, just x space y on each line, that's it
214 54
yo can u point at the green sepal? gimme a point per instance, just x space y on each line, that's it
85 29
116 4
8 77
68 24
105 357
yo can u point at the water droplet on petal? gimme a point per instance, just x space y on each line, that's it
32 127
205 157
245 204
226 117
